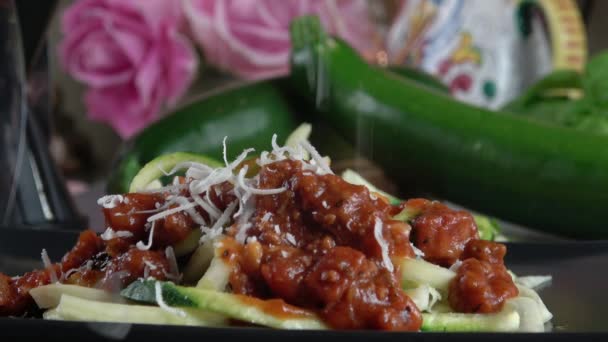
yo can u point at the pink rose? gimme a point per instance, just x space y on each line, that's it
250 38
132 56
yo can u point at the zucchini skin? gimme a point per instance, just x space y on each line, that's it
537 174
248 115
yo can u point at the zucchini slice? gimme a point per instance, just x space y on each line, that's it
526 292
507 319
424 296
48 296
199 262
301 133
78 309
270 313
419 272
529 314
189 244
218 273
155 169
355 178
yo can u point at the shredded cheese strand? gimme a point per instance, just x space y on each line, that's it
110 234
243 224
110 201
225 154
196 217
173 268
162 304
321 163
419 253
213 212
210 202
244 186
217 228
386 260
48 265
140 245
150 265
171 211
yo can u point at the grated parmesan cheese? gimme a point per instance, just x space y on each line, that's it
48 265
434 295
267 216
150 265
173 268
110 234
196 217
168 212
204 179
174 189
417 251
455 266
161 302
218 227
248 189
110 201
212 210
323 167
291 239
140 245
386 260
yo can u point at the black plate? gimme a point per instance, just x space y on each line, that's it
576 297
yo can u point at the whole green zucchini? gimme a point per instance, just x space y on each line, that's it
534 173
248 115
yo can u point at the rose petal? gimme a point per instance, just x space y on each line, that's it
133 56
251 52
148 75
133 45
89 58
73 16
120 107
182 64
250 38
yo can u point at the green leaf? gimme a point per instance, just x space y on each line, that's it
595 123
559 111
552 86
595 81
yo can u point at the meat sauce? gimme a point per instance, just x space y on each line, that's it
323 245
440 232
94 262
482 283
315 248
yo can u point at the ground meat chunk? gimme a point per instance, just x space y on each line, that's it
132 265
284 274
14 292
7 294
492 252
480 287
373 300
442 233
89 244
316 248
19 300
172 229
350 212
132 212
334 273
